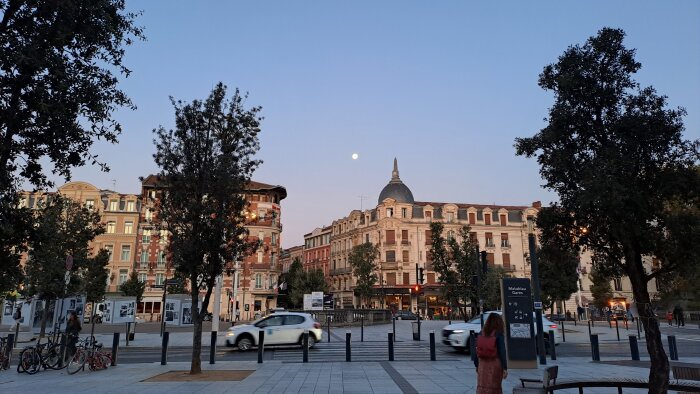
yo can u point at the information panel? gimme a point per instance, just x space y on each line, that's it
517 309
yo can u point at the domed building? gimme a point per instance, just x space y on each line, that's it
400 227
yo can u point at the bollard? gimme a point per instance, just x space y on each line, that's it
592 322
634 348
362 327
348 356
589 328
563 332
391 346
639 334
16 334
115 348
305 344
419 328
163 351
328 319
8 349
128 331
393 327
617 329
432 345
212 348
552 347
609 322
261 345
626 325
672 348
472 344
595 350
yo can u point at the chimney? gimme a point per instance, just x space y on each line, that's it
537 204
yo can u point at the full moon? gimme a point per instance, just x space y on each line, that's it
355 156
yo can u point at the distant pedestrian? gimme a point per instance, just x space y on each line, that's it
238 315
490 361
73 329
669 318
678 316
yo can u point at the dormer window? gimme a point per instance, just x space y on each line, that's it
389 212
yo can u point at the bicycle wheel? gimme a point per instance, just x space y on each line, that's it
77 362
4 359
31 363
52 358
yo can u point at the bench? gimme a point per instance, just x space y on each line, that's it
686 372
620 383
549 378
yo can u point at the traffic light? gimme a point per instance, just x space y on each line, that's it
416 289
420 275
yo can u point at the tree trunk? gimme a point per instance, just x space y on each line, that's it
658 373
44 315
196 365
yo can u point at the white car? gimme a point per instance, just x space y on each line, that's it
457 335
281 328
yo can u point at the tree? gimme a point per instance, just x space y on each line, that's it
491 287
316 281
205 164
63 227
133 287
456 263
600 288
95 274
614 154
364 267
295 284
59 91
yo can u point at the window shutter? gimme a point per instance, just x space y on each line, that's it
472 218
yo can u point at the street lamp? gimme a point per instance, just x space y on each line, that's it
536 288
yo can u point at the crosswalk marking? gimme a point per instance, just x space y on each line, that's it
361 351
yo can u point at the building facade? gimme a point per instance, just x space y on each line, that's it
317 250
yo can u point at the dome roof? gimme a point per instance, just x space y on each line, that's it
396 189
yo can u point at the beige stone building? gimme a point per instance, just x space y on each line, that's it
400 226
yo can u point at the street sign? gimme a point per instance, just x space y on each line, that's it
538 305
67 277
69 262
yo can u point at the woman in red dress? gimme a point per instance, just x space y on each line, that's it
490 360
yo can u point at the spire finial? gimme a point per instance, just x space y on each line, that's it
395 173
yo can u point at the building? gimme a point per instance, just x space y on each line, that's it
400 226
289 255
317 250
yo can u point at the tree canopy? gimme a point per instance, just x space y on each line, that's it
133 287
205 164
363 259
615 155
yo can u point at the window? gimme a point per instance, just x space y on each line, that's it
450 235
146 236
404 213
390 237
503 220
406 278
110 250
487 219
618 284
126 253
504 240
404 256
274 239
389 212
489 240
260 256
391 279
131 206
128 227
144 258
390 256
111 227
152 194
450 217
293 319
143 277
160 279
472 237
489 258
163 236
506 260
258 281
366 238
428 237
161 259
261 235
472 218
90 204
428 214
431 277
122 276
113 205
272 259
404 237
149 215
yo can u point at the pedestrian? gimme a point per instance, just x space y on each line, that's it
238 315
490 360
73 329
669 318
678 313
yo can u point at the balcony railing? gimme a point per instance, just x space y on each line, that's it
340 271
505 243
509 268
490 244
390 265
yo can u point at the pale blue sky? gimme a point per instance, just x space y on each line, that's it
443 86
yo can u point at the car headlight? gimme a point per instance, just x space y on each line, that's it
230 334
457 331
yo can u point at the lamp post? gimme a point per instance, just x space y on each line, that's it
536 289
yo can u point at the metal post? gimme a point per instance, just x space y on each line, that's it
362 326
164 347
589 328
115 348
128 331
348 356
537 298
162 307
672 348
328 323
212 348
16 333
305 344
634 347
639 334
419 327
595 350
432 345
552 345
393 327
617 329
563 331
8 348
472 344
261 345
391 346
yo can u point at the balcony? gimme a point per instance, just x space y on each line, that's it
490 244
389 265
509 268
505 243
406 243
340 271
389 243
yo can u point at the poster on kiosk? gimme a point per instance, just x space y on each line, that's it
69 305
25 307
119 310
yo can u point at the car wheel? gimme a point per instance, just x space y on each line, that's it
312 341
244 344
459 349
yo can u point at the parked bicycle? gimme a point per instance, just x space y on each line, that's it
42 355
89 351
5 353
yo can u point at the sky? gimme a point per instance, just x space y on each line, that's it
445 87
